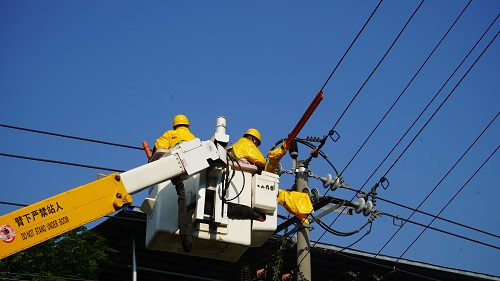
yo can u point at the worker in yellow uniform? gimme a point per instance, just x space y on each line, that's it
179 134
168 140
245 149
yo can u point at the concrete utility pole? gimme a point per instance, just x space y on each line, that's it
303 238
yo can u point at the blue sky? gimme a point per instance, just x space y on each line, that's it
118 71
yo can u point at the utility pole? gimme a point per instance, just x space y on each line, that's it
303 236
301 185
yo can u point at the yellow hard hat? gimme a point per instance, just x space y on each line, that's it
180 120
253 132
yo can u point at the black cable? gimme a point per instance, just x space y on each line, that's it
442 179
369 76
12 204
229 179
442 231
430 215
60 162
439 107
350 46
407 86
427 106
393 43
320 152
454 196
438 217
335 69
336 232
442 103
359 239
70 137
423 111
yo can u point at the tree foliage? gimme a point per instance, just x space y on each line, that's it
75 255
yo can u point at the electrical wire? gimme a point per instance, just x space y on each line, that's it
440 218
442 231
227 181
449 94
439 107
350 46
320 152
407 86
427 106
335 69
443 178
381 60
60 135
94 167
60 162
436 111
369 76
70 137
454 196
430 215
336 232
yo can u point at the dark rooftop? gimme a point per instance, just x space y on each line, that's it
328 262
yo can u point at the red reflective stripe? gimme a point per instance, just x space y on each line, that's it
303 120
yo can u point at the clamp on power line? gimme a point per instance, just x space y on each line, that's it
383 184
315 151
397 218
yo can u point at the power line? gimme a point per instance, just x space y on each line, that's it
454 196
407 86
350 46
368 78
319 96
438 217
69 137
60 162
427 106
451 92
393 43
442 231
430 215
442 179
438 110
357 93
439 107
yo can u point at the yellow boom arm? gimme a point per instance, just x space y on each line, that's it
56 215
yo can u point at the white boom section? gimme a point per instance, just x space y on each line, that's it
187 159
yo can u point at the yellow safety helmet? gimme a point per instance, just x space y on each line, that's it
180 120
254 133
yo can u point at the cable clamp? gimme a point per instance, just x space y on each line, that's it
397 218
382 181
332 133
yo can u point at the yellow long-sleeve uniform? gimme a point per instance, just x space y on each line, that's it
244 148
173 137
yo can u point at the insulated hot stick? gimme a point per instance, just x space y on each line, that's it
303 120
